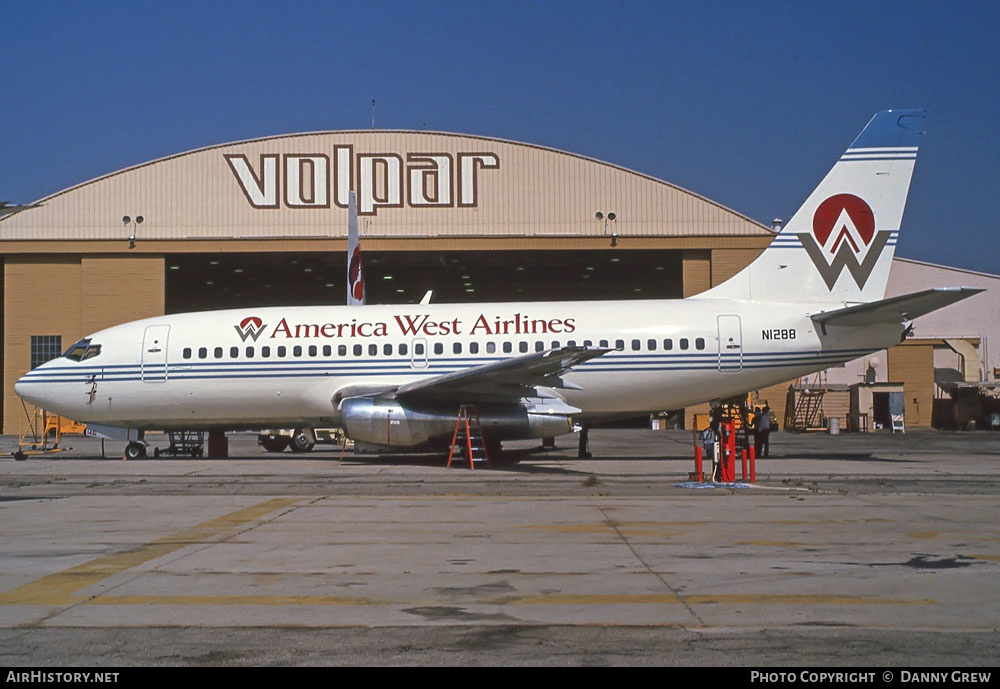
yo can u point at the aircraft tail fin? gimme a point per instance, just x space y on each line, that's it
838 246
355 272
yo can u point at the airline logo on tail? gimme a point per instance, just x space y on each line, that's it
355 276
844 236
251 327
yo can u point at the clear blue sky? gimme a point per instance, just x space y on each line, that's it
748 103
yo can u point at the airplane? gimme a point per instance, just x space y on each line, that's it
395 375
355 271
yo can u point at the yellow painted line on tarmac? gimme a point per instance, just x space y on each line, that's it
231 600
723 599
599 599
988 558
552 599
58 588
610 528
803 599
922 534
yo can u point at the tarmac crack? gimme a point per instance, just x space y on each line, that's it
682 599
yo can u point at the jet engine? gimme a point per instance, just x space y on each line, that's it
380 421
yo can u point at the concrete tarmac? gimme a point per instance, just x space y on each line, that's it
868 550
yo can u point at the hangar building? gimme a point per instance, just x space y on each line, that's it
263 222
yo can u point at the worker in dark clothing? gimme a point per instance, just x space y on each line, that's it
762 432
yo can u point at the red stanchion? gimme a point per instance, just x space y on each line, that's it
743 454
727 473
697 463
753 465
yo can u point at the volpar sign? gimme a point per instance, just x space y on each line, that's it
381 180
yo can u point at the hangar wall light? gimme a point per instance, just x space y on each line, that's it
609 218
130 223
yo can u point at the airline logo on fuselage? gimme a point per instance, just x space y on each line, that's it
251 327
381 180
844 236
406 325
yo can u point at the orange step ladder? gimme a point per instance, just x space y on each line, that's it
469 436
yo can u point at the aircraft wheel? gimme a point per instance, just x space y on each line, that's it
301 441
135 451
156 452
274 443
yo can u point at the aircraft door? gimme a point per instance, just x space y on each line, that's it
418 353
154 353
730 343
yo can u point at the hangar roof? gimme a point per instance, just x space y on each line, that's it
410 184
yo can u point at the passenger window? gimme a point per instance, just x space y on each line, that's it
327 350
522 347
341 350
234 352
387 350
539 346
684 343
218 353
620 345
249 352
265 352
474 348
297 350
699 343
491 347
357 350
202 352
457 348
508 347
403 349
555 344
668 344
438 348
651 345
571 343
604 344
418 348
187 353
372 349
282 351
588 343
312 350
635 345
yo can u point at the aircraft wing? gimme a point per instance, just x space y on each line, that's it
896 309
513 377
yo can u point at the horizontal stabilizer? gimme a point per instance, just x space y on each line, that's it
896 309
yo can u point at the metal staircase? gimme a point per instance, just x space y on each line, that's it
803 410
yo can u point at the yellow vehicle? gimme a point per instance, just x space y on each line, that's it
56 426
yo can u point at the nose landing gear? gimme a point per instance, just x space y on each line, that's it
135 450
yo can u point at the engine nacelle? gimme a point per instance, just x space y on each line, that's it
387 422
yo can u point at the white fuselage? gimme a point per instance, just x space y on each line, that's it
204 370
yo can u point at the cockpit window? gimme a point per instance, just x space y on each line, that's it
82 350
